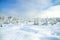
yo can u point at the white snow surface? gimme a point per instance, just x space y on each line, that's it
29 31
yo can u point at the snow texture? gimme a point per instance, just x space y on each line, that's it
29 31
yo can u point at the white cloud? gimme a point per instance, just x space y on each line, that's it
36 6
29 7
53 11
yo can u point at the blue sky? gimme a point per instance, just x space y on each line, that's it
25 7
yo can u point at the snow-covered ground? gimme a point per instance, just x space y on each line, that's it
29 31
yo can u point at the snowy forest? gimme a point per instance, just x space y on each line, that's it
41 28
29 19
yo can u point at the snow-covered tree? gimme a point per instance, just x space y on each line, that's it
36 21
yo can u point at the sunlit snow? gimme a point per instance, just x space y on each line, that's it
29 32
